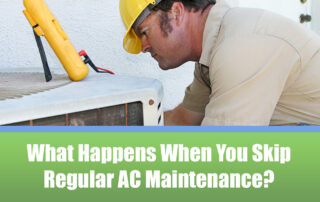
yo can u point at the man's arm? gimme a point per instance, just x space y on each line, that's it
180 116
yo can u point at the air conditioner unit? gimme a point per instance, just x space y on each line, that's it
100 99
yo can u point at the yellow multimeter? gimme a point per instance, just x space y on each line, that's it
45 24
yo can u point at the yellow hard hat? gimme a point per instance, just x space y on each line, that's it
133 12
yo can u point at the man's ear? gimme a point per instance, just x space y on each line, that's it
177 12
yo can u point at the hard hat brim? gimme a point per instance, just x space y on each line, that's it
131 42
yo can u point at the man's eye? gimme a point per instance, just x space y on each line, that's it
144 33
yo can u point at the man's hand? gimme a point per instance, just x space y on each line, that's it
181 116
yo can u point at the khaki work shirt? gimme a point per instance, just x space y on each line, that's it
261 69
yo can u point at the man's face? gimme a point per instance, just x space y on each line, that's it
164 42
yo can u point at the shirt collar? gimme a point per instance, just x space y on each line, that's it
212 29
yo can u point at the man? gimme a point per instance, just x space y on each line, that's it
253 67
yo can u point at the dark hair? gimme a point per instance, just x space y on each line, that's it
191 5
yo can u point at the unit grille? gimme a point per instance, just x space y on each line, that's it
130 114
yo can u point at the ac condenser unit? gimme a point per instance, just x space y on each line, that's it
100 99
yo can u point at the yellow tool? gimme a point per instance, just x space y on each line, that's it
45 24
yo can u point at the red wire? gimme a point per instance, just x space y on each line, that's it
83 53
105 70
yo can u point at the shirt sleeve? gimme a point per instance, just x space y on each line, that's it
248 76
197 93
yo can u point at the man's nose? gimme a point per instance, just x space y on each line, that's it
145 45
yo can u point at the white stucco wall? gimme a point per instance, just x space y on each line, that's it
315 16
288 8
93 25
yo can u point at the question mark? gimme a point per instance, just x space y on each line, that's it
269 178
